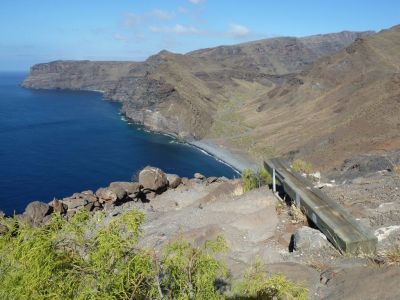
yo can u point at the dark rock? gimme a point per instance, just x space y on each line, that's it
153 179
131 188
59 207
36 211
307 238
106 195
109 206
119 191
74 203
173 180
89 206
212 179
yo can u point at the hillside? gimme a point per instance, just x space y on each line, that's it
305 97
346 104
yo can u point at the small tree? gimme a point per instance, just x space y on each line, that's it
264 176
252 180
256 285
249 179
191 273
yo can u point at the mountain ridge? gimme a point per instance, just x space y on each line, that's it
238 95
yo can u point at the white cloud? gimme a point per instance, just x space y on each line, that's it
177 29
133 19
195 2
238 31
119 37
182 9
162 14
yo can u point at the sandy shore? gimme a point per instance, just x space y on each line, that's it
223 154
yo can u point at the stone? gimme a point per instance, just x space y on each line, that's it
107 195
89 206
2 214
307 238
88 192
119 191
153 179
109 206
74 203
131 188
36 211
88 195
364 282
71 212
185 181
199 176
212 179
59 207
173 180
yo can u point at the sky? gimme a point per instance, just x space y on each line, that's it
35 31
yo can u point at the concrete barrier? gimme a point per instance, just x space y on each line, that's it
342 230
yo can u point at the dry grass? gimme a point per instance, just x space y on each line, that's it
297 215
299 165
280 207
318 265
396 169
392 256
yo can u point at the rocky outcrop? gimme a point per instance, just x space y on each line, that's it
153 179
173 180
37 212
307 238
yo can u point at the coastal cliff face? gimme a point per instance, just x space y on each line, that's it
275 96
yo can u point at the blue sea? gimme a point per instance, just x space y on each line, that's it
55 143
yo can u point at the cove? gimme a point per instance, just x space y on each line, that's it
55 143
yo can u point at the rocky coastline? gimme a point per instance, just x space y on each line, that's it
254 224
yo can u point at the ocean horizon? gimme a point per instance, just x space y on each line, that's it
56 142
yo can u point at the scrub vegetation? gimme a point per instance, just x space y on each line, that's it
97 257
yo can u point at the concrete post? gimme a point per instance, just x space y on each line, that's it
273 181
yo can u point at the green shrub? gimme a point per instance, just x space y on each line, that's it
256 285
265 177
249 179
191 273
252 180
299 165
96 257
78 259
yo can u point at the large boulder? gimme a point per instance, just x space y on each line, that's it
173 180
111 194
307 238
36 212
153 179
75 203
199 176
130 188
